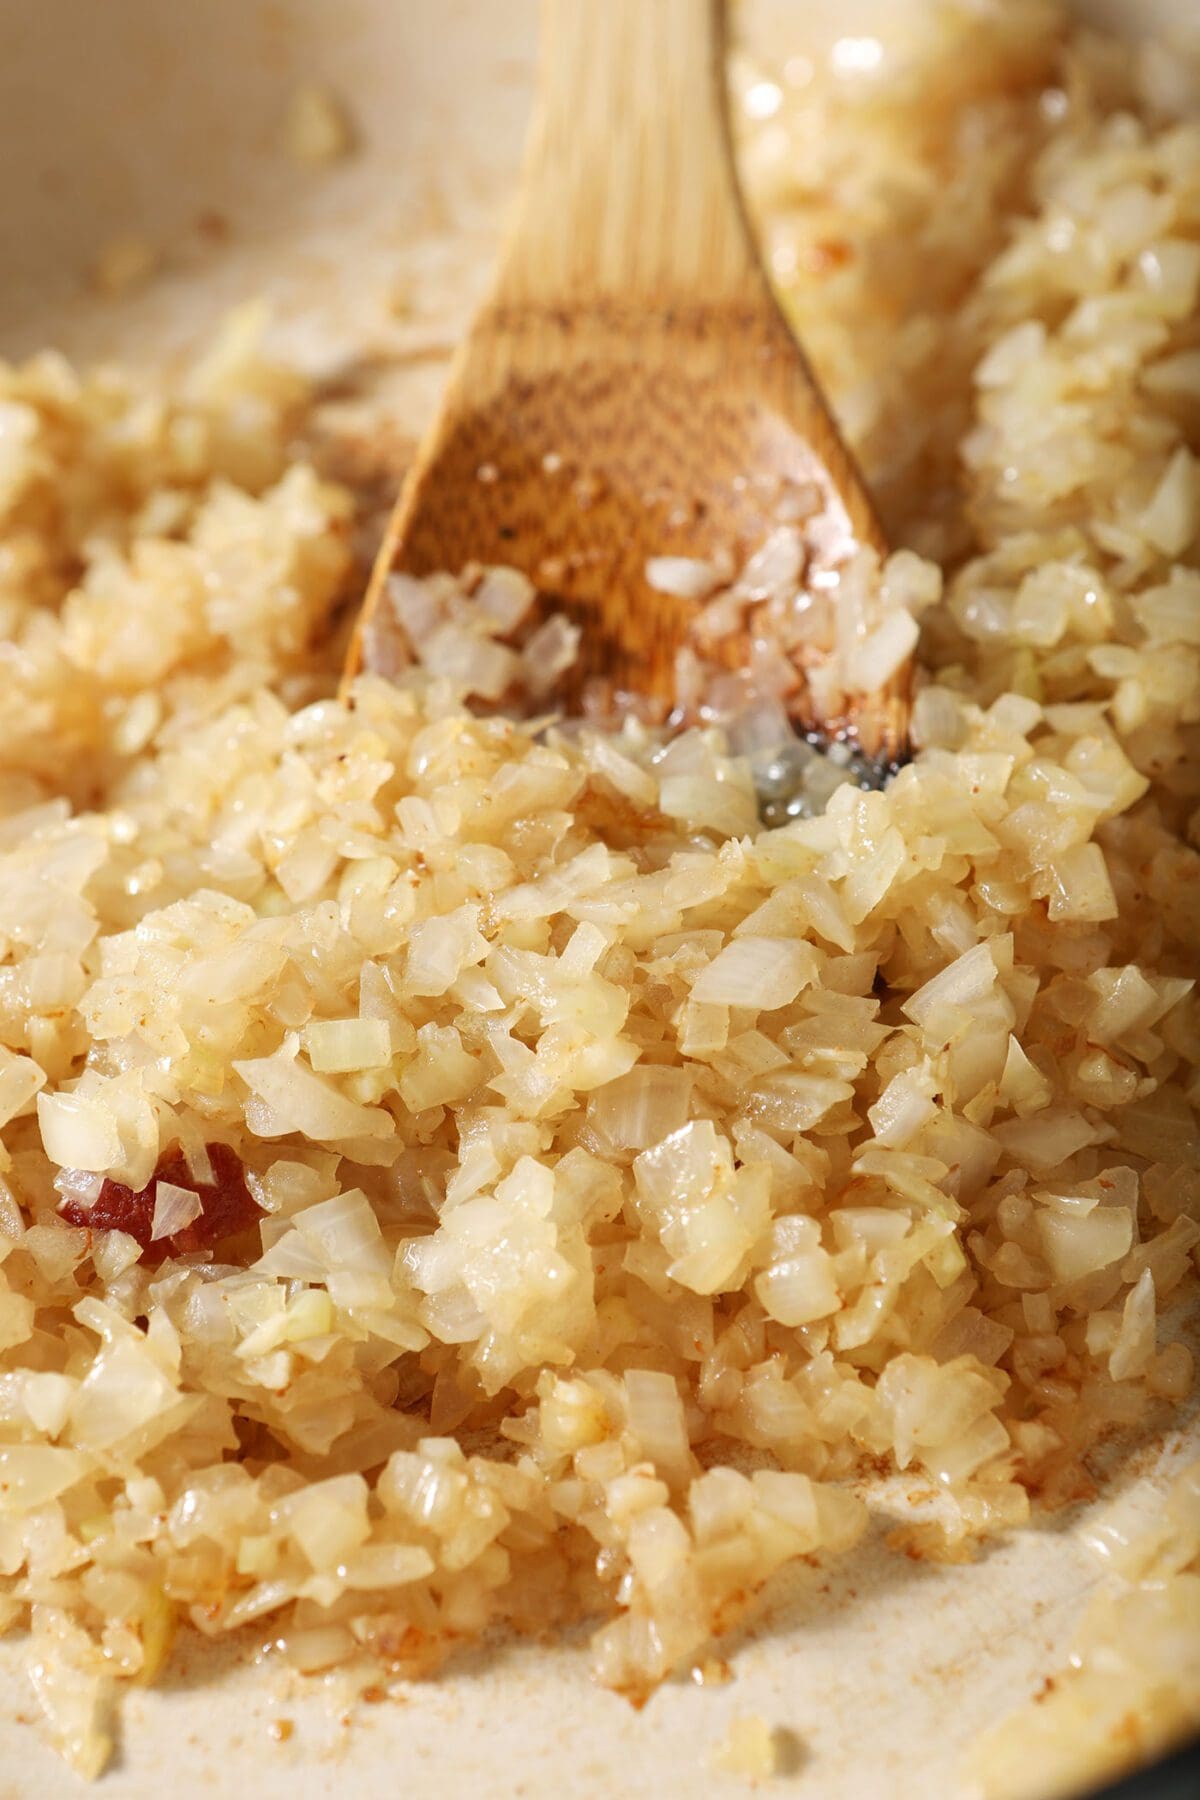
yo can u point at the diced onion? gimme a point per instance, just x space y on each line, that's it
685 577
175 1208
340 1046
78 1131
756 973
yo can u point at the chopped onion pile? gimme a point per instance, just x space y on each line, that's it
459 1170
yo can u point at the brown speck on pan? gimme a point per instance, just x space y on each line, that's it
213 226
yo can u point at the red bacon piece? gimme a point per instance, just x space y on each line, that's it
228 1205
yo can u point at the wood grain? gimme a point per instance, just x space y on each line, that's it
631 388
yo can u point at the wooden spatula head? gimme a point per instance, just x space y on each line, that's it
631 390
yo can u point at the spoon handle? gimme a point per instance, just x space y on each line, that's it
630 191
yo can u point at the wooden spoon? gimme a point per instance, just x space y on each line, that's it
631 389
